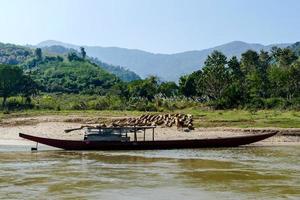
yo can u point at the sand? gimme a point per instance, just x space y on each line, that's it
54 126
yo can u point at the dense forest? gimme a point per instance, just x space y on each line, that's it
262 80
41 80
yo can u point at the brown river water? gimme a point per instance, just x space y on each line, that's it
234 173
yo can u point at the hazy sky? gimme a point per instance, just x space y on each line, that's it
164 26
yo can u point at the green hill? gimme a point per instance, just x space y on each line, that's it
74 77
24 56
121 72
14 54
55 73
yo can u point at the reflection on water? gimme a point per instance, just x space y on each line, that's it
237 173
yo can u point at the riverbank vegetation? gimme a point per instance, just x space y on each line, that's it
255 81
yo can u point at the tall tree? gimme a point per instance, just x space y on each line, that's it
250 65
38 54
278 78
235 94
168 89
215 76
262 71
10 77
72 56
82 52
284 73
249 61
235 70
294 80
146 88
284 57
27 88
189 85
216 59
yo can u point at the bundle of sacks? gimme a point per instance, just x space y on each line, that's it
167 120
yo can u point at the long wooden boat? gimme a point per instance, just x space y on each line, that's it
149 145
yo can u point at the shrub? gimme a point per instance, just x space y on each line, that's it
274 103
79 106
116 103
219 104
255 103
295 104
17 103
45 102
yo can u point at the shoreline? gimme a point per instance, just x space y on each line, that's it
54 126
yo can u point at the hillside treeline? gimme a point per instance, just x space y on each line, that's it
259 80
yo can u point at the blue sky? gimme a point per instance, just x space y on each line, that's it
160 26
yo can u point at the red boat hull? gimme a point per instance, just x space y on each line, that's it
149 145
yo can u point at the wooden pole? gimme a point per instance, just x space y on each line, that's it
153 134
135 137
35 148
144 134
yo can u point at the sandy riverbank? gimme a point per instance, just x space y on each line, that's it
54 126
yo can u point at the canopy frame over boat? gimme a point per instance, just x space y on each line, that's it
123 131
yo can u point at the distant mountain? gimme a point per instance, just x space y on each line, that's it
49 43
165 66
56 50
121 72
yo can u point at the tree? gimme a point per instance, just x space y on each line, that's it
27 88
168 89
235 93
284 74
294 80
72 56
235 70
13 82
53 59
146 88
251 81
82 52
10 77
284 57
216 58
215 76
188 84
249 61
38 54
252 68
278 78
262 71
285 81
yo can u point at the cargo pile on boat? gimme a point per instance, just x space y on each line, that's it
165 120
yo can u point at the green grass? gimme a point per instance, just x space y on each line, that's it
245 119
203 118
80 113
